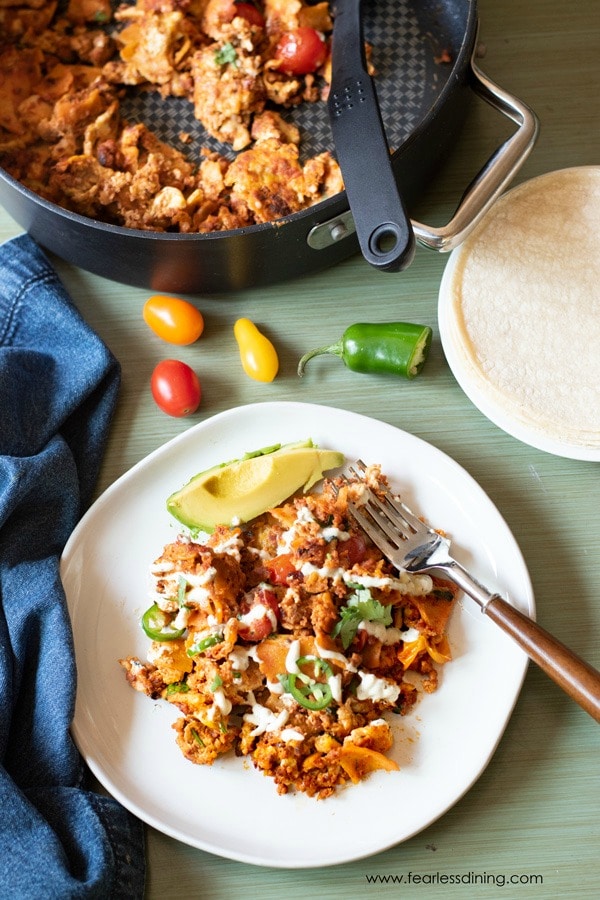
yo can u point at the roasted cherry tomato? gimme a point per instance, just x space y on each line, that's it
226 10
249 12
353 550
301 51
172 319
260 614
175 388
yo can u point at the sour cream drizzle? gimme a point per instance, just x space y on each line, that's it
291 734
415 585
196 590
292 656
181 619
303 517
230 545
389 635
264 719
259 612
239 659
336 657
372 687
221 702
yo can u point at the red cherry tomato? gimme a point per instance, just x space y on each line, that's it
258 611
250 13
172 319
301 51
175 388
353 550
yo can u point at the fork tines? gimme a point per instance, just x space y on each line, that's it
387 543
389 510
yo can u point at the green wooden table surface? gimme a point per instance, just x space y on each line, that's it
532 818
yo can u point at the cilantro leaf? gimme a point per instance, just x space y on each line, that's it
361 606
347 625
226 54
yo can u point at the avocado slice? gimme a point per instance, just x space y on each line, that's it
240 490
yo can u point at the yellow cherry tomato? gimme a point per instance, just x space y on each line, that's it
172 319
257 353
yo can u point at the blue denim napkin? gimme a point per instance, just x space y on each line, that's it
58 388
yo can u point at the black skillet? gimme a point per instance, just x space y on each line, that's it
423 52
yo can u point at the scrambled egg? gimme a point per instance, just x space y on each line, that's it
64 68
288 640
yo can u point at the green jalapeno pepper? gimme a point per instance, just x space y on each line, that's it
158 625
205 643
390 348
177 687
307 692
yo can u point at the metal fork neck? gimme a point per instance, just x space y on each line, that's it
469 585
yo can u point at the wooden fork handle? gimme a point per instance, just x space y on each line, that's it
575 676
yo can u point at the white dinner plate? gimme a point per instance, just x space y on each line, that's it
230 808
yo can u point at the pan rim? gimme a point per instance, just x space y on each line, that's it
336 204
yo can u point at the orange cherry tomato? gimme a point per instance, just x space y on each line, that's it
280 568
175 388
172 319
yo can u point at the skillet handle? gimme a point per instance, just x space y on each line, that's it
382 225
497 172
487 185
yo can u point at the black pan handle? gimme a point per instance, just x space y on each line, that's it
487 185
383 228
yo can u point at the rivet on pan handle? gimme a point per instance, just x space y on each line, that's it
488 184
384 231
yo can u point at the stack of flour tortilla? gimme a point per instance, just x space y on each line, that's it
522 307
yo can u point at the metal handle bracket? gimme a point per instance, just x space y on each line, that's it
485 188
496 173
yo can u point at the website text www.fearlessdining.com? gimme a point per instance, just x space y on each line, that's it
473 878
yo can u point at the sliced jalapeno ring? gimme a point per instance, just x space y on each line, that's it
158 625
317 662
211 640
177 687
310 694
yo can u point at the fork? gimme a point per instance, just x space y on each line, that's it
412 545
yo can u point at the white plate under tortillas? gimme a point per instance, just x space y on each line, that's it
519 313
